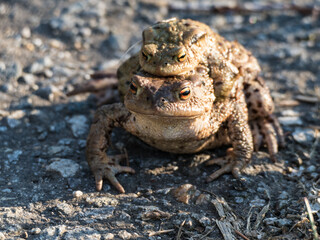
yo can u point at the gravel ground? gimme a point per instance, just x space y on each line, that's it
46 188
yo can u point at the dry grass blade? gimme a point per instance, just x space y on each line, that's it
313 226
206 234
180 230
261 215
241 235
248 229
160 232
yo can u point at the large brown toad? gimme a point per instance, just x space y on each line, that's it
175 114
174 47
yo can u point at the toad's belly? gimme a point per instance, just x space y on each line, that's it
180 135
188 145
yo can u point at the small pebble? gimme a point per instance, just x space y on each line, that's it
311 169
35 231
26 32
77 194
66 167
303 136
3 128
26 78
124 234
108 236
79 125
290 121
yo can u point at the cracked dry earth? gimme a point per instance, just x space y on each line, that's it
46 188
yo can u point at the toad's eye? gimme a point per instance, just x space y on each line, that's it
181 56
185 93
146 56
133 88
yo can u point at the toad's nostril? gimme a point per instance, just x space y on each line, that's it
163 100
165 63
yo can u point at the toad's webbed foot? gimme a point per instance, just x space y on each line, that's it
108 168
228 165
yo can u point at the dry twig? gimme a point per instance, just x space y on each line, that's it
313 226
180 230
160 232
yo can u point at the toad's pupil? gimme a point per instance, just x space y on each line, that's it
185 93
133 88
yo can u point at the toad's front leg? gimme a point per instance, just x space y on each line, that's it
242 147
106 118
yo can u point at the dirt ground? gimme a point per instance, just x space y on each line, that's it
46 188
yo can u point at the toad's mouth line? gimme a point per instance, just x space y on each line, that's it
164 115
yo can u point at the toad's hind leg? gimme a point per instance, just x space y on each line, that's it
265 127
240 136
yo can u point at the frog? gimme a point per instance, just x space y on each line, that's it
175 46
178 114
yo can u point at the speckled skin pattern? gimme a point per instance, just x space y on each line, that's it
155 111
173 47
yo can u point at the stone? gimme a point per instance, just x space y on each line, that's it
65 207
36 68
60 151
238 199
303 136
85 32
53 232
14 156
26 78
82 233
78 124
13 71
66 167
26 32
108 236
124 234
205 221
290 121
13 120
13 123
35 231
3 128
50 93
46 62
311 169
81 142
2 236
77 194
101 213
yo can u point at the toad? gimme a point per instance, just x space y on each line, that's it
177 114
173 47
